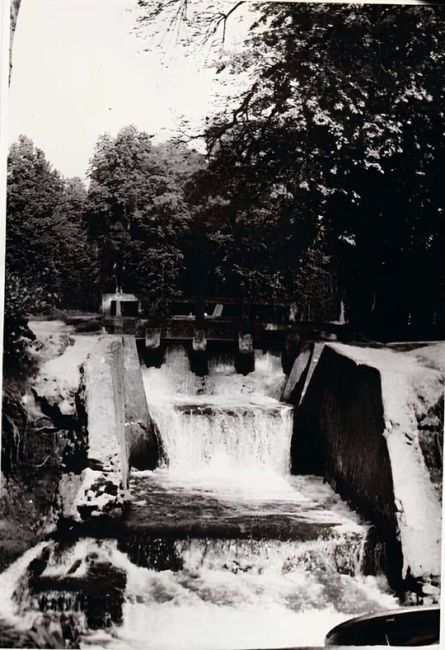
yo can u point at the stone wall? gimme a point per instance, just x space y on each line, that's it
143 442
105 479
358 425
121 434
338 433
71 433
44 440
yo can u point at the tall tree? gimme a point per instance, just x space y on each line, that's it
50 261
136 215
34 191
338 138
76 275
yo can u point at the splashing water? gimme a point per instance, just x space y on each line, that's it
229 593
222 425
11 580
224 548
174 381
232 595
222 441
227 440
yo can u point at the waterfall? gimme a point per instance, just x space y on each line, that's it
334 553
224 422
174 380
215 593
221 547
225 439
13 583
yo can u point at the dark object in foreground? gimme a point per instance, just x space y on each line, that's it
410 626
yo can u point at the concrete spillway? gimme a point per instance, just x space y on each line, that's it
371 421
215 543
227 539
120 432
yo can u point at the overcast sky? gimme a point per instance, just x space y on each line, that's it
79 70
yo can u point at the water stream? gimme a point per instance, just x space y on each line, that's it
227 549
263 559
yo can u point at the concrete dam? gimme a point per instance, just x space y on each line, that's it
236 510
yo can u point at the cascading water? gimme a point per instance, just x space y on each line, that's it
223 423
225 549
197 438
257 558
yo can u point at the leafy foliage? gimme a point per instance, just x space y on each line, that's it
20 300
49 260
47 244
75 276
137 214
323 170
337 142
33 193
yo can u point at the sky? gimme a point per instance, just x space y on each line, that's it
80 70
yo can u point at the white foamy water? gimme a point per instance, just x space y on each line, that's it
221 599
10 582
175 382
224 440
223 424
226 593
224 549
256 494
227 441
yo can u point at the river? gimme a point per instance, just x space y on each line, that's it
228 550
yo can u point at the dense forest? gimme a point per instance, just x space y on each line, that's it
323 174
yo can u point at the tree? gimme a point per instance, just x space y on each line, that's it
33 193
338 139
49 259
21 300
137 216
47 243
199 22
75 275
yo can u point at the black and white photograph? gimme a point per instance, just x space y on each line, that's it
223 357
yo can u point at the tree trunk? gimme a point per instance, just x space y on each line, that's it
15 6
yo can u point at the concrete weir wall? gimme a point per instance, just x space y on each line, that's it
142 441
105 478
371 421
120 431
